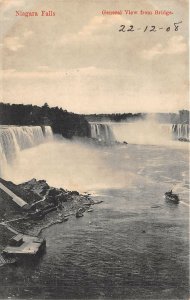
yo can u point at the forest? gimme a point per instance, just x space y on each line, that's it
62 122
115 117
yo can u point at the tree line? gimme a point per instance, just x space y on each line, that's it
62 122
115 117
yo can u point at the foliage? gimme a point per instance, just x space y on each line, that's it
62 122
117 117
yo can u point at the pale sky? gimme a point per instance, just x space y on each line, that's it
79 60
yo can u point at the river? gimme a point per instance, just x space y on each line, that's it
134 245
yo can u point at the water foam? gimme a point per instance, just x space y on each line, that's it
14 139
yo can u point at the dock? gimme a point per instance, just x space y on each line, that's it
22 245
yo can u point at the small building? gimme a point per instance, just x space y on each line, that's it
24 245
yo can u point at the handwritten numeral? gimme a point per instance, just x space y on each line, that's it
153 29
131 28
150 28
122 28
177 26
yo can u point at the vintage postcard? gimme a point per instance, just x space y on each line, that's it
94 149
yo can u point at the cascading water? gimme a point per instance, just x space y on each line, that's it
141 132
48 132
181 131
102 133
14 139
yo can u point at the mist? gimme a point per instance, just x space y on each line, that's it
145 132
84 166
71 165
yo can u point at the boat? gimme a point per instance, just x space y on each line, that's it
170 196
90 210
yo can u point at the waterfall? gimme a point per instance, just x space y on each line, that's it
14 139
102 133
48 132
181 131
140 132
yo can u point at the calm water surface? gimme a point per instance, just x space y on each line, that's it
132 246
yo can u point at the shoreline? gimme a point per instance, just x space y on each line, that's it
46 206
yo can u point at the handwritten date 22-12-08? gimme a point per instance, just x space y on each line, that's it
150 28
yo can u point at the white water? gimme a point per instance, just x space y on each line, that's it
14 139
71 165
181 131
147 132
79 166
133 245
102 133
